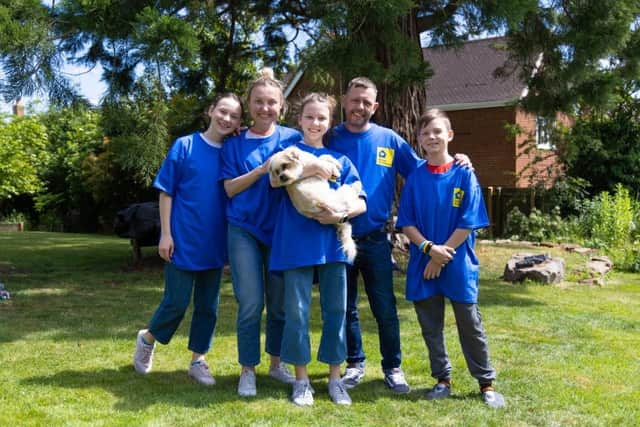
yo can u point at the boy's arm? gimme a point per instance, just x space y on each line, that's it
440 254
165 247
458 237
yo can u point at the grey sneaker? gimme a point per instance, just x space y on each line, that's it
143 356
302 395
394 379
439 391
338 393
493 399
353 375
247 384
282 374
200 372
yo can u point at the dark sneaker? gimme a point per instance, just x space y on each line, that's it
493 399
338 393
302 394
353 375
143 356
394 379
200 372
439 391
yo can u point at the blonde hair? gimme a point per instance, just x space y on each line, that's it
267 78
432 115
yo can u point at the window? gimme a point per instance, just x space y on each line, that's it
544 133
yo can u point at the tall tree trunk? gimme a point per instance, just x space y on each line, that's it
402 111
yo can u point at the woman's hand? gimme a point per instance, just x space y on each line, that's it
165 247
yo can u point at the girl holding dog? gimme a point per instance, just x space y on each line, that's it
191 218
303 247
251 213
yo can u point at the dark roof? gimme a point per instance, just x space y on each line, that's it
465 75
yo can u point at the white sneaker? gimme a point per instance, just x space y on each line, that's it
282 374
247 383
143 356
200 372
302 395
353 375
338 393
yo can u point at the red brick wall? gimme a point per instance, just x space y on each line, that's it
499 160
481 135
533 166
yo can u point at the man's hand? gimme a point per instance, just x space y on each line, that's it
463 160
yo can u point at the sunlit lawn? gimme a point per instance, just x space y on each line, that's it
565 355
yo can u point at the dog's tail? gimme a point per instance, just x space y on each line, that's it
348 245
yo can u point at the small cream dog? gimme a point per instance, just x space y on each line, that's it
309 193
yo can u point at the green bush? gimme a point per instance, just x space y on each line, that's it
537 226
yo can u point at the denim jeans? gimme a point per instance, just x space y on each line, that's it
374 262
178 287
253 285
298 284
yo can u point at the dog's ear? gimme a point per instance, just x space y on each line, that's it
293 153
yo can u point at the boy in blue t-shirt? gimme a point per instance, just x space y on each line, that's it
193 231
440 207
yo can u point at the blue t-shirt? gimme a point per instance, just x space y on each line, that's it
300 241
190 175
254 209
437 205
378 154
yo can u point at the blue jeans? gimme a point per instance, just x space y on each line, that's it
253 285
178 287
333 294
374 262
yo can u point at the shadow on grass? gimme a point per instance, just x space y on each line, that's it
135 392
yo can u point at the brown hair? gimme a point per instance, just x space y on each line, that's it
430 116
219 97
267 78
362 82
324 99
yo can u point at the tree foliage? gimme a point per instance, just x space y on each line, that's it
23 154
603 148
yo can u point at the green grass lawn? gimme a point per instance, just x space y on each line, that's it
565 355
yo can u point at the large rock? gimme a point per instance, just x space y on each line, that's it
537 267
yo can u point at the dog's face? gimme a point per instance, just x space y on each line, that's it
285 167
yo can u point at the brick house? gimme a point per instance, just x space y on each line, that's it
482 107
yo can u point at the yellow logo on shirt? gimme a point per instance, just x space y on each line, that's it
384 156
458 193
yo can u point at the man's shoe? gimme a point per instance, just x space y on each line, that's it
282 374
199 371
247 383
143 356
338 393
439 391
493 399
353 375
302 395
394 379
